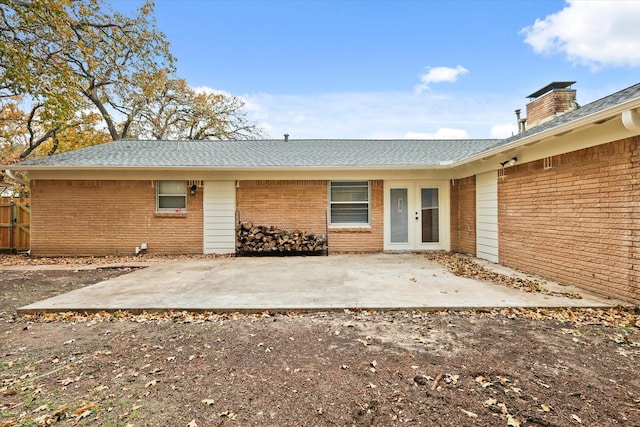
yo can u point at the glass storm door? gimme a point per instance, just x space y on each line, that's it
399 216
414 216
429 216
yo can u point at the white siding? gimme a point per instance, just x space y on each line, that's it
487 216
219 217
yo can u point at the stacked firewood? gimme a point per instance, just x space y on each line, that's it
262 239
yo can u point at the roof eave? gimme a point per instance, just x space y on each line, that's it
555 131
223 168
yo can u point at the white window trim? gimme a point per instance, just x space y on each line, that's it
350 224
174 210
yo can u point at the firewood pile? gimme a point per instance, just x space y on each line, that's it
262 240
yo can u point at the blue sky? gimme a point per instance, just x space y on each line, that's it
399 69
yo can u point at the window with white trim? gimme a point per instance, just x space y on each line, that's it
171 196
349 202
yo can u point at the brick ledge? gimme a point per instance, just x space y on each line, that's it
170 215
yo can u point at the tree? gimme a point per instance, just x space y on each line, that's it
171 109
69 55
23 133
65 62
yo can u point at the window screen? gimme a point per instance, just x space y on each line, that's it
349 202
172 195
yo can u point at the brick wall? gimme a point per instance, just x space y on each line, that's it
303 205
463 215
78 218
549 105
288 204
578 222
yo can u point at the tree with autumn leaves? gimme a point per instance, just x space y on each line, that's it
75 73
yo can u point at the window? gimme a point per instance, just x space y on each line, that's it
349 202
172 196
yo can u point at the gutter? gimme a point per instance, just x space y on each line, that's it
442 165
631 120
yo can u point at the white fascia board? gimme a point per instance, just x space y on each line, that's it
561 129
17 167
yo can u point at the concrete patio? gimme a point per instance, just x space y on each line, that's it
380 281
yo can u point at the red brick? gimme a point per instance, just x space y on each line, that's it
578 222
76 218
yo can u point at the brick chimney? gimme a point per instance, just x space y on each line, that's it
553 100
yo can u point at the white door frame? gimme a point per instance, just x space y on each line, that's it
414 213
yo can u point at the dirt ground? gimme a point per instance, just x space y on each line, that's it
353 368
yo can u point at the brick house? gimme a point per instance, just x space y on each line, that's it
560 199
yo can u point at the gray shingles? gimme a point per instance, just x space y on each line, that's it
268 153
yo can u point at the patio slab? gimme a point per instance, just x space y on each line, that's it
378 281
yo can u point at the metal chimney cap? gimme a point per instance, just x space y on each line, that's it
550 87
286 137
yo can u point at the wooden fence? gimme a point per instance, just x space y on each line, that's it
15 220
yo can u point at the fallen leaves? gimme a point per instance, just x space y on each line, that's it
65 382
228 414
545 408
84 408
151 383
144 317
465 266
469 413
40 408
512 422
436 381
623 317
59 414
131 262
484 381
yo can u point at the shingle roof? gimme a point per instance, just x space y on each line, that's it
310 153
629 94
306 153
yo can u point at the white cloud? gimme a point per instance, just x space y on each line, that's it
248 105
439 74
210 90
379 115
504 130
266 127
442 133
592 33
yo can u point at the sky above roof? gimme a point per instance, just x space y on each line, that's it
398 69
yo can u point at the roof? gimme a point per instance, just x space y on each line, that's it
550 87
318 153
251 154
621 97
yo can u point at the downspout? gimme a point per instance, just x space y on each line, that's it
20 181
631 120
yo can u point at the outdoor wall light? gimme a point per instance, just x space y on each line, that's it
193 189
509 162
